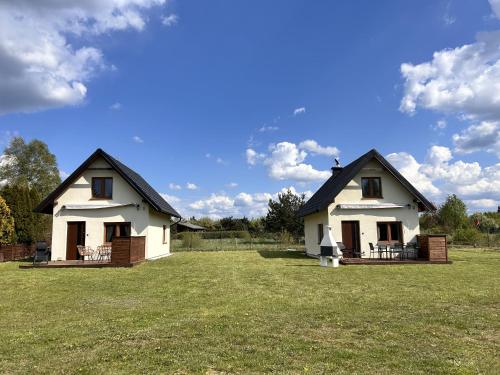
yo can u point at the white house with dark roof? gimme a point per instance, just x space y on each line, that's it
367 201
101 200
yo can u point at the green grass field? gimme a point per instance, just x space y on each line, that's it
253 312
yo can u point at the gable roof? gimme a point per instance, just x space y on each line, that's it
342 176
133 179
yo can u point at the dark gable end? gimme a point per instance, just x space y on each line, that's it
339 179
133 179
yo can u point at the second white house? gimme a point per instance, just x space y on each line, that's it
367 201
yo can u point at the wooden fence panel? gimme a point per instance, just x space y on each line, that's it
16 252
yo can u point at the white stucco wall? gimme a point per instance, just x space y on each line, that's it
79 192
311 230
155 248
392 192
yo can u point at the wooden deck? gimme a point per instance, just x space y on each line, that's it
75 264
368 261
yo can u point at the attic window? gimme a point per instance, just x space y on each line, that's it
371 187
102 187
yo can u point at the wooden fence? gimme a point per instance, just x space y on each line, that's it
16 252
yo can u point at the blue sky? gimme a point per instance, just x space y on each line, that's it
241 99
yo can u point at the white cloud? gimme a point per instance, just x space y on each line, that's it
232 185
298 111
170 20
410 169
439 125
286 162
191 186
437 166
438 176
40 67
216 206
115 106
482 204
315 148
448 19
253 157
484 136
173 186
495 6
242 204
208 155
464 80
170 198
265 128
137 139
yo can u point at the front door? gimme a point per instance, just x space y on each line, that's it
75 237
350 239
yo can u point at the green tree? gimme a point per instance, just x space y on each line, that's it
452 214
19 200
6 223
485 223
282 214
30 164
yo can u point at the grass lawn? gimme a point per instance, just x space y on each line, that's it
253 312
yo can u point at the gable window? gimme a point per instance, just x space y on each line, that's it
320 233
112 230
102 187
371 187
390 232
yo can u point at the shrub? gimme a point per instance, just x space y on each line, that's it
225 234
285 238
467 235
190 240
6 223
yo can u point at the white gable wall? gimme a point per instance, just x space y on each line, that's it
143 222
392 192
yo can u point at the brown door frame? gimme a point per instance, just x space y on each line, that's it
355 229
72 238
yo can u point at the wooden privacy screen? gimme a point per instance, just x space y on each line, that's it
433 247
128 250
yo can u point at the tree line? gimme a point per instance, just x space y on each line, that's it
28 173
281 218
452 219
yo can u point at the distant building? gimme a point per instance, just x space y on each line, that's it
186 226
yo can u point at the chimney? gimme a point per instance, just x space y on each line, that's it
337 168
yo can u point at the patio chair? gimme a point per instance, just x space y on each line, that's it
85 251
411 250
373 250
42 252
383 248
104 253
397 249
341 247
